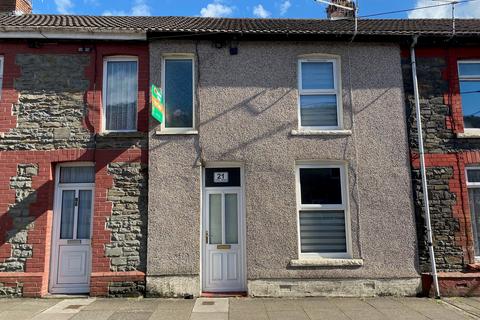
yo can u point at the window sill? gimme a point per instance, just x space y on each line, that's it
321 132
467 135
325 262
121 134
185 132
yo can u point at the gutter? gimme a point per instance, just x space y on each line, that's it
423 169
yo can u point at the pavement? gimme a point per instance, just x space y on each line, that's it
240 309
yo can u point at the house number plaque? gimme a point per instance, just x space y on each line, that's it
220 177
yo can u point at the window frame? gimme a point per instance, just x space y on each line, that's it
2 71
312 92
106 60
180 130
324 207
472 185
467 78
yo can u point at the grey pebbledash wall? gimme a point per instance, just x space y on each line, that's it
438 139
19 212
128 221
247 108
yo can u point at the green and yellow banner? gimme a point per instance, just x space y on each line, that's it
158 104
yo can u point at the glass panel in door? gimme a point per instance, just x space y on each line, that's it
231 218
84 214
215 218
67 214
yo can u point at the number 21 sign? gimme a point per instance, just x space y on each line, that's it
220 177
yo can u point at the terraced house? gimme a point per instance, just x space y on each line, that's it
281 167
73 123
449 96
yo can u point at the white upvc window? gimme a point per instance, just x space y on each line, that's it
469 77
319 101
120 94
1 76
178 86
322 204
473 184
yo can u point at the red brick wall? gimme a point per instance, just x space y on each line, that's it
36 276
24 6
457 153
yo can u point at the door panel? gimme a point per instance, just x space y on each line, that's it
71 263
223 253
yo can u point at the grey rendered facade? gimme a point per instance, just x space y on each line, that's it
247 113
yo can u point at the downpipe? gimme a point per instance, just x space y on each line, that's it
423 169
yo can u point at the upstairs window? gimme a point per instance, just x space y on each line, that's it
178 88
319 99
322 211
120 94
469 75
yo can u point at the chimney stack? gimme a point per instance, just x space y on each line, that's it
16 7
335 13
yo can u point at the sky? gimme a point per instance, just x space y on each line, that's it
250 8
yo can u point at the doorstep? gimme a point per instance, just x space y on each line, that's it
223 294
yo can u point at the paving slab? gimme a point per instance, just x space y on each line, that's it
317 304
326 314
470 306
247 305
136 315
175 304
69 306
287 315
92 315
211 305
282 305
243 315
171 315
209 316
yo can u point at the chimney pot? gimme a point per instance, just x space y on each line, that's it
334 12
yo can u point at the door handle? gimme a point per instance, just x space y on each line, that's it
206 237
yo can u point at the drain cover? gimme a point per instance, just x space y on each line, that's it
208 303
74 306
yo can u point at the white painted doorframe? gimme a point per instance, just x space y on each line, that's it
241 229
69 288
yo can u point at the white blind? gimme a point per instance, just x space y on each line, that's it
77 174
323 231
121 95
318 111
317 75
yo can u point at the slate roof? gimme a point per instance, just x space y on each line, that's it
169 24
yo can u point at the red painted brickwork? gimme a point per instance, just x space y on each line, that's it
24 6
458 186
36 276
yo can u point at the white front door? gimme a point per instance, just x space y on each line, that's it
71 255
223 267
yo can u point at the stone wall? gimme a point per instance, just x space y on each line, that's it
128 222
449 255
19 212
11 292
439 140
51 111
